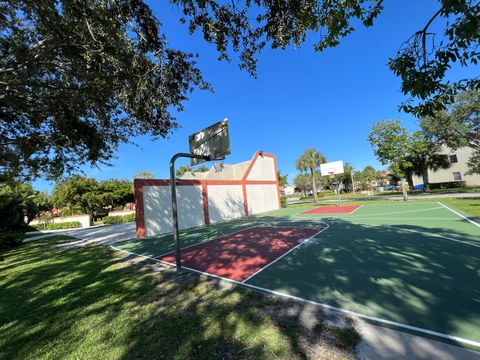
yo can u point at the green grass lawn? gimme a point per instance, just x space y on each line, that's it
89 302
470 206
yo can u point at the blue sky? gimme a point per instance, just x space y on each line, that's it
300 99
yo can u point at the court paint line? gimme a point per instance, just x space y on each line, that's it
357 209
142 256
393 218
286 253
456 212
206 241
434 235
349 312
403 212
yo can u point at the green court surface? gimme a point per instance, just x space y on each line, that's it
413 266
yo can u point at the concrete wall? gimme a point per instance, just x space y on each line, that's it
263 169
121 213
463 155
83 219
158 208
262 198
234 191
225 202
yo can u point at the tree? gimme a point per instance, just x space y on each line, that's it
79 78
458 126
184 168
78 191
144 174
424 155
407 154
282 179
116 192
303 183
310 160
20 204
369 174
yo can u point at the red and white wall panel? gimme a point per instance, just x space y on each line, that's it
201 202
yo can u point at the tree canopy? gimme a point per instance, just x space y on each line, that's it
407 154
77 78
144 174
89 194
458 126
185 168
282 179
310 160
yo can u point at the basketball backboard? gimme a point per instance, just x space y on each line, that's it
332 168
213 141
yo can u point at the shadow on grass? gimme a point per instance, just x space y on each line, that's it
87 303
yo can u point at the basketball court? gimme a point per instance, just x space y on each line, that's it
411 266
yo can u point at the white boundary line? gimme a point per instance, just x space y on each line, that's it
286 253
349 312
403 212
462 216
208 240
435 235
390 218
360 206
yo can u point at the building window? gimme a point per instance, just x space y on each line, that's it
457 176
453 158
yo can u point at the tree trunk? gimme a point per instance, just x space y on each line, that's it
410 180
426 184
314 186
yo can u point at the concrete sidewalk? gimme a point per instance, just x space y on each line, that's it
104 235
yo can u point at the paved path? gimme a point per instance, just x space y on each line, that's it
104 235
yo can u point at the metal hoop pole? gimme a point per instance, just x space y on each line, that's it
173 187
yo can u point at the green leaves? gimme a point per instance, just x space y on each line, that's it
458 125
89 194
79 78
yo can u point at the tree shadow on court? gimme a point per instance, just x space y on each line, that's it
405 273
86 303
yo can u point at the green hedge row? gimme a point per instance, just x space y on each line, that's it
9 239
58 226
120 219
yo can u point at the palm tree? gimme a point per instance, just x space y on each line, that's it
310 160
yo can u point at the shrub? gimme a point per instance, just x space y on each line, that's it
283 201
9 239
58 226
119 219
449 185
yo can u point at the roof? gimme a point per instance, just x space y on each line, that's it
220 172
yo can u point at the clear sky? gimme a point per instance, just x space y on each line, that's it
300 99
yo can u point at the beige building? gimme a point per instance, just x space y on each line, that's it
457 171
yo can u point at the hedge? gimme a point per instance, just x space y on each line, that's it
120 219
9 239
58 226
